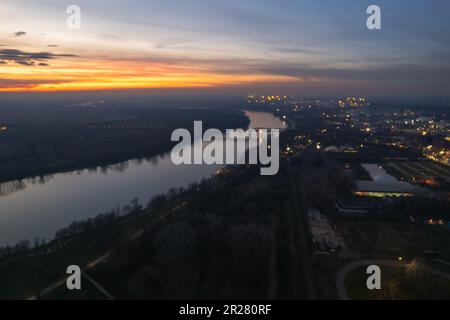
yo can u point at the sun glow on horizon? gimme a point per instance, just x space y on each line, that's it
104 75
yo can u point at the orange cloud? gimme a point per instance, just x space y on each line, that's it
83 74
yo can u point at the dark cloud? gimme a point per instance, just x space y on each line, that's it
52 46
297 50
398 73
29 58
26 62
386 74
19 34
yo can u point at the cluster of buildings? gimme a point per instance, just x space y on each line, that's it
253 98
301 102
437 152
405 129
353 102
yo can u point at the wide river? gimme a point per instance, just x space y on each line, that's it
38 207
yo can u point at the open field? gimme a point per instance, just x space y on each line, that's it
398 283
415 169
403 239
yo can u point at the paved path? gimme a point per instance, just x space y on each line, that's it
61 281
99 287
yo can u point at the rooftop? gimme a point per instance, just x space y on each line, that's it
382 182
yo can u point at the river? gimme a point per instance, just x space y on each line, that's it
38 207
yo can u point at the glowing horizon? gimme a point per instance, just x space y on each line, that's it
109 75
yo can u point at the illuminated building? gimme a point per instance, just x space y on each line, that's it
383 185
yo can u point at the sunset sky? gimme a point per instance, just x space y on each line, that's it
322 47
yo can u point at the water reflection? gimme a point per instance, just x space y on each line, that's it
9 187
39 206
257 120
264 120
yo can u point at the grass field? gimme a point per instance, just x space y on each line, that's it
398 284
396 238
414 169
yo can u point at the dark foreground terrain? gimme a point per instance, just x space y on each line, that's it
236 236
240 235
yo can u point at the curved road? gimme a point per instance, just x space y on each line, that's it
342 273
